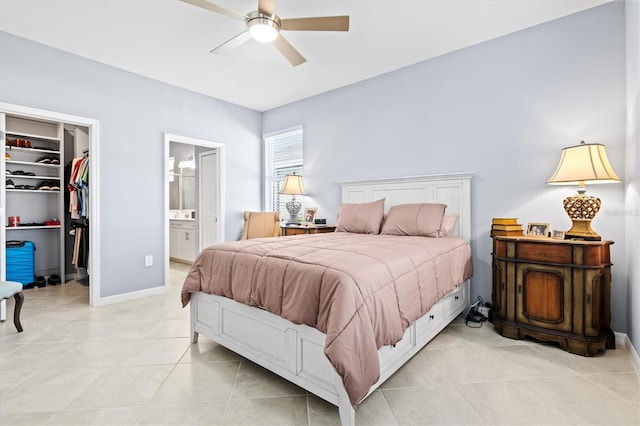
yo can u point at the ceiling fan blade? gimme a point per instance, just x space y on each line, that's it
267 7
323 23
232 43
215 8
289 52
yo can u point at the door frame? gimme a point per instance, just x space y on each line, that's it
219 147
94 178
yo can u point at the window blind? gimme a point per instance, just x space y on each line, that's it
282 156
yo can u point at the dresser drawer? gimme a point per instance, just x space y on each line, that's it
549 253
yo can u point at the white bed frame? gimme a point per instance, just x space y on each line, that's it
296 352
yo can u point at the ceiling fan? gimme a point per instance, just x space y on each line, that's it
264 26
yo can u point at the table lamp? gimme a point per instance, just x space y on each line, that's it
580 164
293 185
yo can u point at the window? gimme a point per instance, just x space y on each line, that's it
282 156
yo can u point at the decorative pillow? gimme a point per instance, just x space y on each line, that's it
361 218
414 219
447 225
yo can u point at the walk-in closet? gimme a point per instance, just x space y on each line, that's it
45 200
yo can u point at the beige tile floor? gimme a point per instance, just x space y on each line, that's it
132 363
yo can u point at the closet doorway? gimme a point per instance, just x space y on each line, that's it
194 197
90 129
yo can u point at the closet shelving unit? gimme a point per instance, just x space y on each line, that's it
35 206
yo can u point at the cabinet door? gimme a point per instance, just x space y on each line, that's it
188 249
174 242
597 316
543 296
499 295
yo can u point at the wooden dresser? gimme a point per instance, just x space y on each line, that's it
553 290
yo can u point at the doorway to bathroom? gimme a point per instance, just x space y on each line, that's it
194 197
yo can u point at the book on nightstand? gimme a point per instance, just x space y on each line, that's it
505 221
516 227
506 227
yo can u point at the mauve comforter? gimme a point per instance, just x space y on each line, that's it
361 290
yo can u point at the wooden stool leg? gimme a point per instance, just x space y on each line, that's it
16 310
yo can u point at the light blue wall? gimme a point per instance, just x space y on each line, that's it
134 112
632 176
503 109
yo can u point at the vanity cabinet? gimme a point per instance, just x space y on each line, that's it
553 290
182 240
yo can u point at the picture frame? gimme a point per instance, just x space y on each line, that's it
557 235
537 229
310 215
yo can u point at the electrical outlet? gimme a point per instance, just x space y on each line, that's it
148 260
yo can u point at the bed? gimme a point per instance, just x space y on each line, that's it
343 279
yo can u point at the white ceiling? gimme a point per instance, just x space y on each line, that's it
169 40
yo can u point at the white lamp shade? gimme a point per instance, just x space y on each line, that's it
583 163
293 185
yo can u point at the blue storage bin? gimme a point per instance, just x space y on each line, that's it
20 262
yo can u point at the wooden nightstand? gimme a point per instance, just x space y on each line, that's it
306 229
554 291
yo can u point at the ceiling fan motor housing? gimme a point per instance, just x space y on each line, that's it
263 28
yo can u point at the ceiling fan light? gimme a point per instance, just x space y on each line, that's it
263 30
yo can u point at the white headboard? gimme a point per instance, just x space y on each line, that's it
453 189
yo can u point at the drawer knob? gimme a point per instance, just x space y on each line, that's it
456 297
431 317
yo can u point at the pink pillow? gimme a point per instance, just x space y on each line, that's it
447 225
414 219
361 218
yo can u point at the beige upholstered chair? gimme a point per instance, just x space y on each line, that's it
261 224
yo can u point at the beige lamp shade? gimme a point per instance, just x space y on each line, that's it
583 163
579 164
293 185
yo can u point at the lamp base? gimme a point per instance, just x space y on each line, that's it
581 208
293 207
581 229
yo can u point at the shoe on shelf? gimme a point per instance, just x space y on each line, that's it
9 184
44 186
44 160
53 185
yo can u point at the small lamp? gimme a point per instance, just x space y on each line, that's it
293 185
580 164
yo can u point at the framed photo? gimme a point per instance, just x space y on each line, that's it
535 229
557 235
310 215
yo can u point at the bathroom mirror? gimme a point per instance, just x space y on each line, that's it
182 177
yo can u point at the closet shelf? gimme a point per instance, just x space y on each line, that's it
33 136
33 177
26 228
32 163
36 150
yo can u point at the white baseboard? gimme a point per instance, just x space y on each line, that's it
623 339
125 297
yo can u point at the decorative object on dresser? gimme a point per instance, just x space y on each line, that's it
553 291
580 164
309 215
506 226
536 229
293 185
